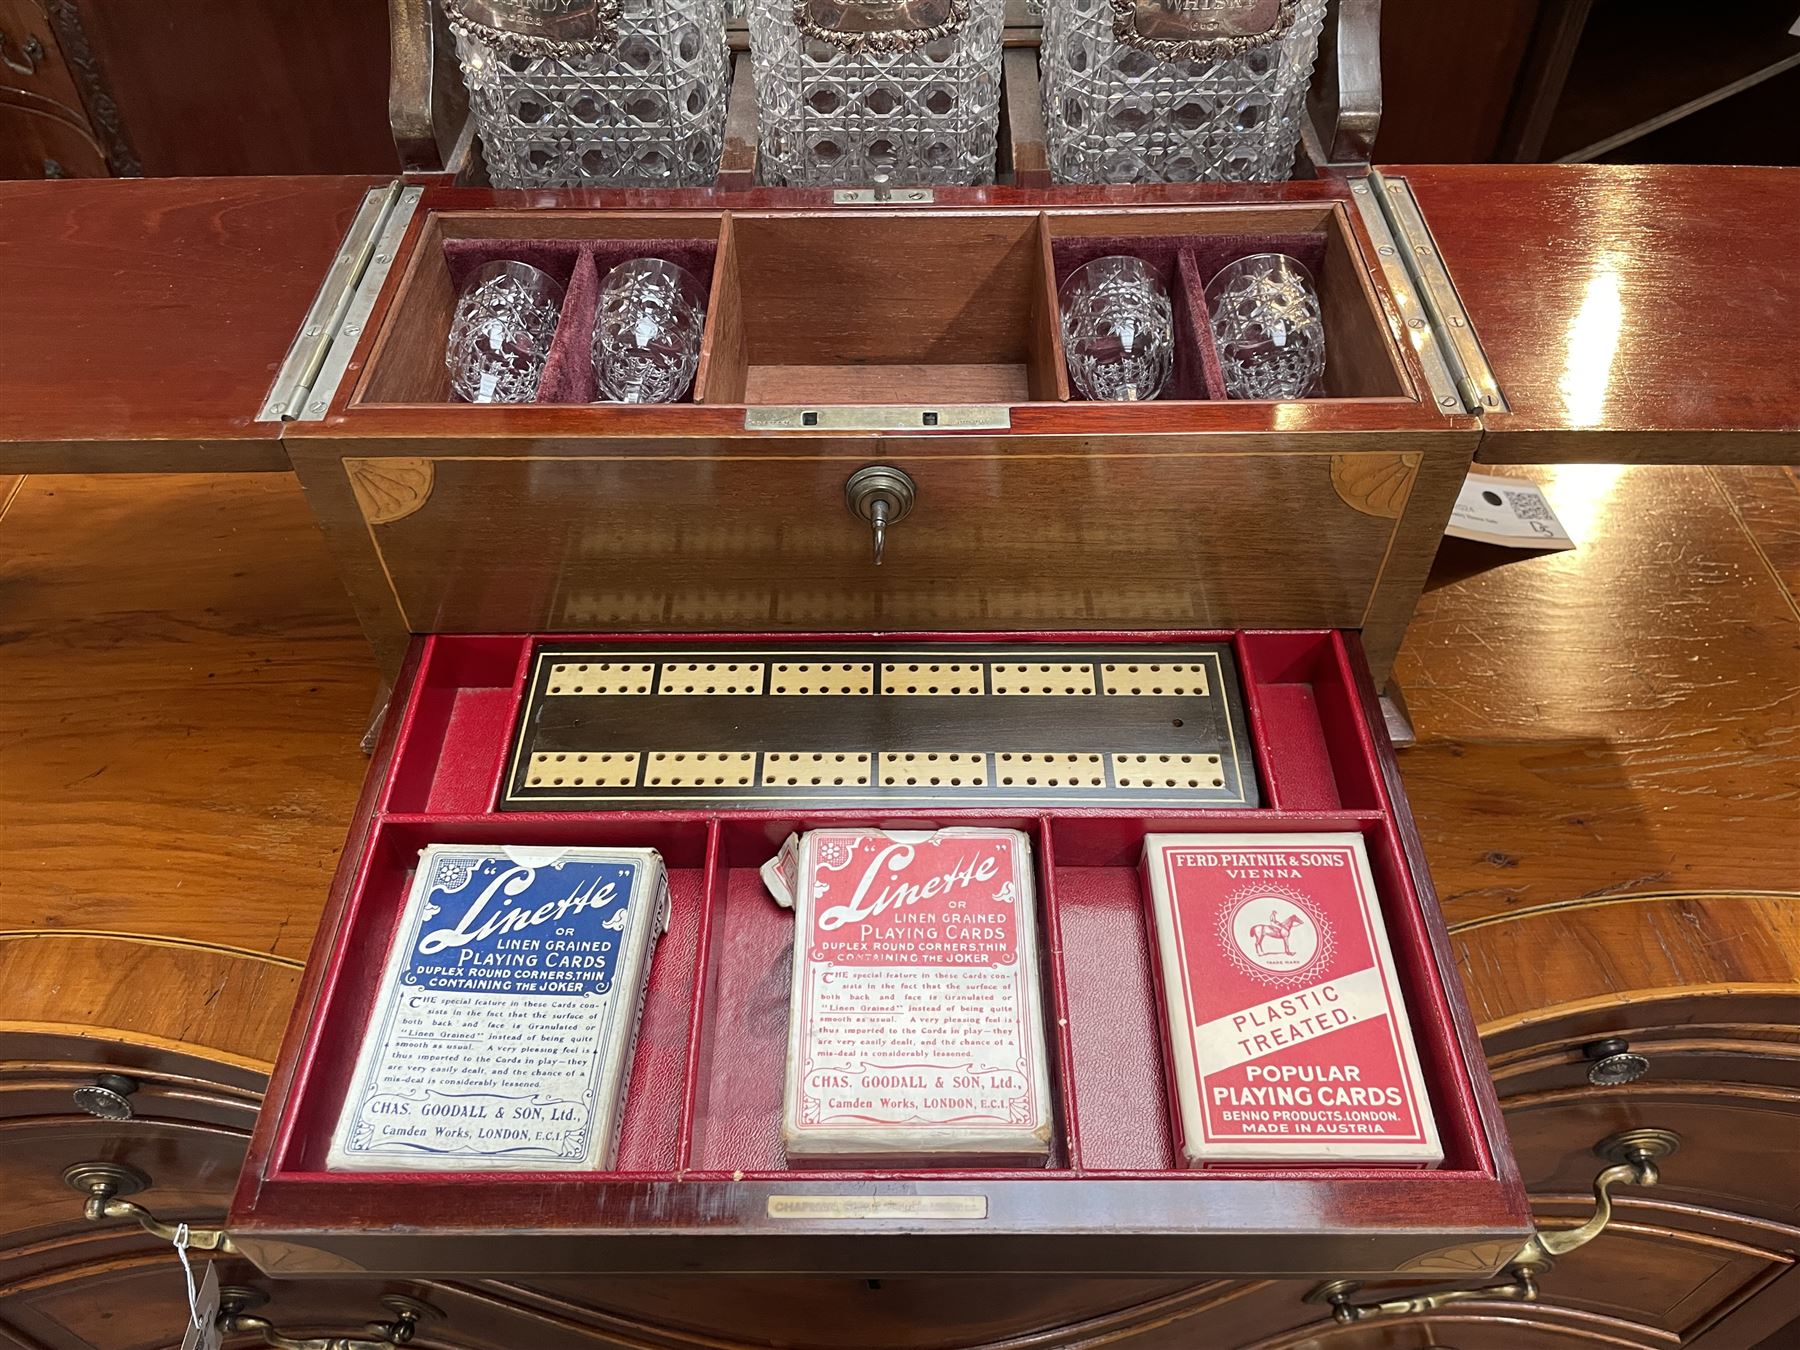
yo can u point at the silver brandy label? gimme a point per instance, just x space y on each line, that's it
879 25
1189 29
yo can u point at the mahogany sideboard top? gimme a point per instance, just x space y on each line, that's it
1631 314
145 317
178 737
1605 784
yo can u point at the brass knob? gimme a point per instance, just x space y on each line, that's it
1612 1064
108 1096
883 496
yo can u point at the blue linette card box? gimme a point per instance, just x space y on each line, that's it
501 1038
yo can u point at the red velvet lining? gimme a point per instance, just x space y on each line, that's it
581 266
1185 263
707 1078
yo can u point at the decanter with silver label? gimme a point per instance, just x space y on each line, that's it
577 92
857 92
1148 91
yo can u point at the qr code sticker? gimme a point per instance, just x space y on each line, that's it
1530 507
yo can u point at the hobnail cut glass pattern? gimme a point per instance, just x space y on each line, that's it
830 118
500 334
1116 114
647 332
649 111
1118 329
1268 326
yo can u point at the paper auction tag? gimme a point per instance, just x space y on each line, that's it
1510 512
203 1329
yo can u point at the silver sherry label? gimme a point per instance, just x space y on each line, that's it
879 25
1186 29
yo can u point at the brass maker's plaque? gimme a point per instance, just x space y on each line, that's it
1197 29
637 726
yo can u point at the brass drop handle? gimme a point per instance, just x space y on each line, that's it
1633 1156
235 1318
883 496
105 1182
32 51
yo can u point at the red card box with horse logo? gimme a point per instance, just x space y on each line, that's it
1286 1026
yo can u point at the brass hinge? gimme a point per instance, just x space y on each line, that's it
320 351
1437 323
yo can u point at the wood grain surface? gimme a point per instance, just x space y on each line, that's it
1605 784
178 732
1631 314
1621 718
178 737
145 319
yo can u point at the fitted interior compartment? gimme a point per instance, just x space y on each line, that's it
651 1128
833 309
1120 1104
407 366
1189 247
699 1153
742 1031
854 307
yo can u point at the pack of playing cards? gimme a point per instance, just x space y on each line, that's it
1287 1032
502 1034
916 1035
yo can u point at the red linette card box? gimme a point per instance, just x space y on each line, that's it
917 1029
1288 1037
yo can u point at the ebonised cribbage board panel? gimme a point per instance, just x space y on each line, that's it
638 727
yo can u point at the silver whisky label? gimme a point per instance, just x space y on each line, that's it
1192 28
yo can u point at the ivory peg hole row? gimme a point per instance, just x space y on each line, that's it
827 768
927 679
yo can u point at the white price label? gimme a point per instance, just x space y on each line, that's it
1510 512
203 1330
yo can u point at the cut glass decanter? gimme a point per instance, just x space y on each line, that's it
1151 91
579 92
859 92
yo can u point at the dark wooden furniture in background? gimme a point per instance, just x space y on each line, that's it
204 87
1618 80
1625 81
1604 784
92 87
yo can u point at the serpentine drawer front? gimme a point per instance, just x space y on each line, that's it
701 1183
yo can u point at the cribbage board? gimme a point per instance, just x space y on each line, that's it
623 727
